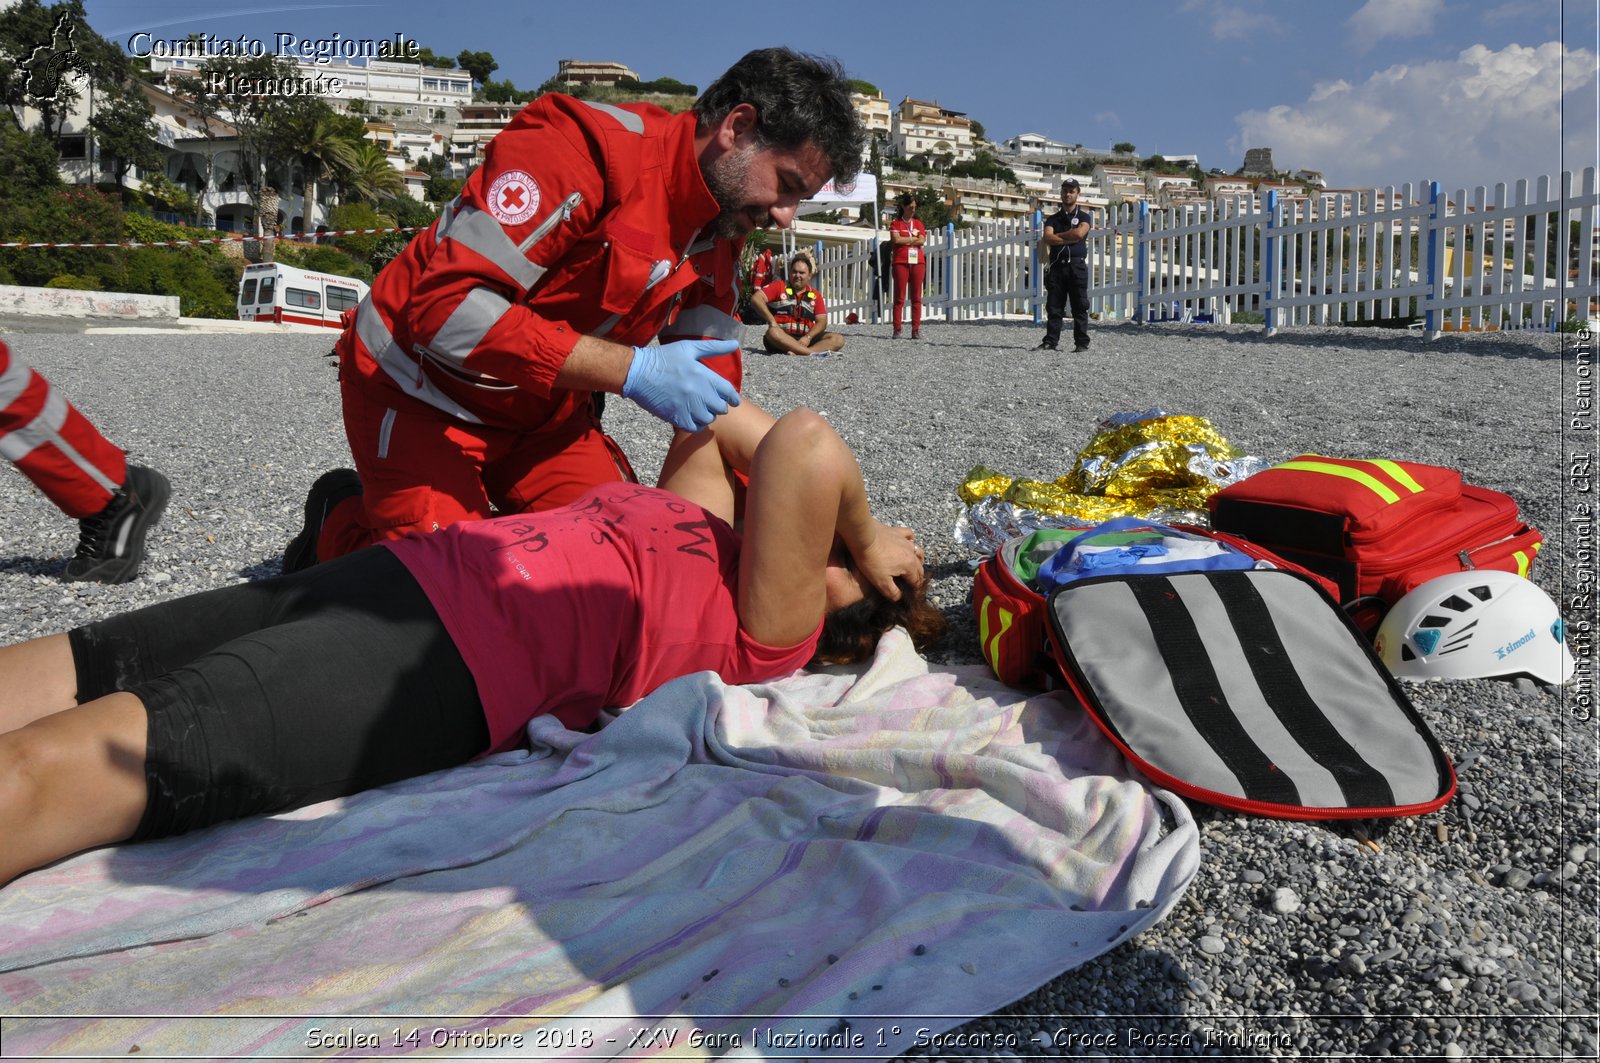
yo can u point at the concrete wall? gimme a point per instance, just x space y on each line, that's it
65 302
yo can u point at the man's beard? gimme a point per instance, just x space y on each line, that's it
727 179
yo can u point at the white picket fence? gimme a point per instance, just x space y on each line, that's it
1517 257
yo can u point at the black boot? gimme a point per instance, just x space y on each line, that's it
331 488
111 543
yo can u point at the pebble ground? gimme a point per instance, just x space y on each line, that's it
1468 933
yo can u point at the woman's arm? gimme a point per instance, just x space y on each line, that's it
698 468
805 493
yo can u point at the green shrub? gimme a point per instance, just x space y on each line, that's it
290 252
332 260
206 285
67 214
73 281
144 228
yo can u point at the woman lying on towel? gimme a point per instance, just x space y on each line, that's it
424 653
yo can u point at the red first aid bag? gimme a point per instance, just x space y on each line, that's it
1376 528
1011 613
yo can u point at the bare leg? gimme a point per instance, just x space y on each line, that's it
37 678
70 781
828 341
777 341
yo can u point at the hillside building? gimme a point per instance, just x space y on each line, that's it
1258 163
386 88
875 114
1120 184
920 127
588 72
478 125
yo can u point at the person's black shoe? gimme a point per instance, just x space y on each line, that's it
1045 345
331 488
1080 348
111 543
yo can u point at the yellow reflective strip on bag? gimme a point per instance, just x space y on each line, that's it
1366 480
991 648
1522 563
1401 477
1005 625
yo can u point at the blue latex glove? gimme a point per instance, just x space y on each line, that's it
670 382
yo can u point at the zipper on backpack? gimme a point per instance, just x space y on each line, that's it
1461 546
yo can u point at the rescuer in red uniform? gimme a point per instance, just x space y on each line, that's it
472 375
88 477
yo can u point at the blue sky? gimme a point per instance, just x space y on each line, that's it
1462 91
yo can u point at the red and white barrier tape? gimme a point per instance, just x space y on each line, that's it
227 239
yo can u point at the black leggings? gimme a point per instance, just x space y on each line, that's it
267 696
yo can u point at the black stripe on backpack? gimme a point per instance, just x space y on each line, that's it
1249 690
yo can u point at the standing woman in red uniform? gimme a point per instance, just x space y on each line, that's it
908 234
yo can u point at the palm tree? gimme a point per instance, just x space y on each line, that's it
323 152
369 176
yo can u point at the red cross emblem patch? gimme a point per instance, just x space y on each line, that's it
513 197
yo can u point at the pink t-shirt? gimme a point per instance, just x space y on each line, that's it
591 605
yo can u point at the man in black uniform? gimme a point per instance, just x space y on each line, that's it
1068 275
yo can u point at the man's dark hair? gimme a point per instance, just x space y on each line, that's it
798 98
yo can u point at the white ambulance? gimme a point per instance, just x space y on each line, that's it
272 291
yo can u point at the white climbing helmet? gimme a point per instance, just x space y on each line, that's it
1476 625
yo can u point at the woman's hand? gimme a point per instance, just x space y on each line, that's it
892 552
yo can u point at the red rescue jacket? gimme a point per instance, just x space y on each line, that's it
585 219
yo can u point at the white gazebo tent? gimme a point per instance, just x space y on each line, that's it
862 191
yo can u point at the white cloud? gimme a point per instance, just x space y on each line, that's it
1110 118
1378 19
1324 89
1236 23
1231 21
1482 117
1521 10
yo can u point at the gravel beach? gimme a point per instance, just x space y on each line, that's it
1468 933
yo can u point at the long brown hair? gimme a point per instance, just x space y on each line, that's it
852 633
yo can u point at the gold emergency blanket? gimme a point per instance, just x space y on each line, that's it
1149 464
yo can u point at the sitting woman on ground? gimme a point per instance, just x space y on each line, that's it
796 316
424 653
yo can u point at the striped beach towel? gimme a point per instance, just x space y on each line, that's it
839 858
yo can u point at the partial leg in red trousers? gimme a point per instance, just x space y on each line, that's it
914 278
902 278
87 476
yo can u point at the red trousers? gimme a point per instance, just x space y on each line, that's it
54 445
907 276
422 470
